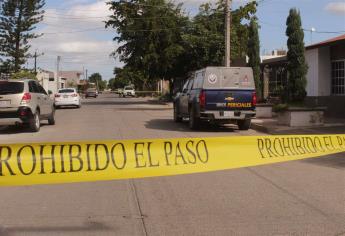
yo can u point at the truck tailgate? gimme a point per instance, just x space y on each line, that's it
229 100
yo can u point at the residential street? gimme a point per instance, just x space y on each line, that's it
295 198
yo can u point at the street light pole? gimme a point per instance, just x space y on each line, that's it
227 32
57 73
36 55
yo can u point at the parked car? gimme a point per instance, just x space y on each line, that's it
128 91
67 97
25 102
91 93
219 95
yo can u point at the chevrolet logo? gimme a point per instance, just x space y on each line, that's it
229 99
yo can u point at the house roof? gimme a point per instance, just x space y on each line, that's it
275 60
327 42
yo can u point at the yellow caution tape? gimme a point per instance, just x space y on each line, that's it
50 163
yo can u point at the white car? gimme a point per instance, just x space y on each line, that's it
128 91
67 97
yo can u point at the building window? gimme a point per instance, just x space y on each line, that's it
338 77
278 80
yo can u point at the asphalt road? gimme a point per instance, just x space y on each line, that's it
296 198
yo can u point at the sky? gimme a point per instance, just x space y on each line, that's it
74 30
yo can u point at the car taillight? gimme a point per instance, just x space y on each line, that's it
75 95
254 99
57 95
26 98
202 99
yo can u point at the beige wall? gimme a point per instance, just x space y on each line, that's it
312 58
319 72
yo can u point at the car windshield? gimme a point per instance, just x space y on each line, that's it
11 87
66 91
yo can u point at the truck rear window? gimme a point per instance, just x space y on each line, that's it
11 87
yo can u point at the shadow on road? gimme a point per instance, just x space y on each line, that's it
119 102
315 131
6 130
170 125
334 161
87 227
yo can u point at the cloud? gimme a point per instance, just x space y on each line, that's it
75 31
197 3
337 8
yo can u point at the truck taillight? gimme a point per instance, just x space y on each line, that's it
26 98
202 99
254 99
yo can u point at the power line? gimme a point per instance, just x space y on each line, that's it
306 30
105 30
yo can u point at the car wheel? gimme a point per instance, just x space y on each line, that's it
177 117
51 119
35 122
244 124
194 122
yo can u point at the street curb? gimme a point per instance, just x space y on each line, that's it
260 128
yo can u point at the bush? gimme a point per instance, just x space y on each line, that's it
24 74
280 107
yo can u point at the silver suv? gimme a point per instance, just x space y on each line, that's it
25 102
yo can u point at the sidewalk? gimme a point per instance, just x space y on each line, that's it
270 126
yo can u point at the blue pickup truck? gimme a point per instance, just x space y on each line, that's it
219 95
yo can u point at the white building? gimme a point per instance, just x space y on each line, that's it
47 80
325 78
326 75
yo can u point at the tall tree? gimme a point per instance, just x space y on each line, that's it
297 67
204 39
254 53
18 18
149 34
97 79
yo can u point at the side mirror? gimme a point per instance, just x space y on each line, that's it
50 92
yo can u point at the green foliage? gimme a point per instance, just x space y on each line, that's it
150 36
17 20
297 67
130 76
203 39
254 54
23 74
72 85
163 43
280 108
96 78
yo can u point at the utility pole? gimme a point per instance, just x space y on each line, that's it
57 73
227 32
36 55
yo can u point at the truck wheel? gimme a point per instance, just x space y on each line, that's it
244 124
177 117
51 119
194 122
35 122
